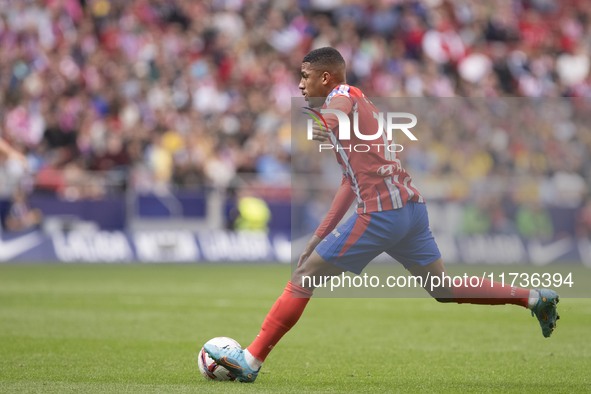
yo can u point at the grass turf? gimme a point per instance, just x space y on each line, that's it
138 328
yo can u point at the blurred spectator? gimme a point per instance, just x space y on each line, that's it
476 219
13 167
108 80
253 214
534 222
247 212
584 221
194 94
500 222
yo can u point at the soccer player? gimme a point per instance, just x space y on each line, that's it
391 217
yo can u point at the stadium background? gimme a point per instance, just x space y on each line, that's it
150 115
147 122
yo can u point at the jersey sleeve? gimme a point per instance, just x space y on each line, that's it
342 103
339 207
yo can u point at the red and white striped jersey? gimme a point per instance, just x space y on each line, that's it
372 174
377 177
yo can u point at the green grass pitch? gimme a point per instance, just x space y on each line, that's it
138 328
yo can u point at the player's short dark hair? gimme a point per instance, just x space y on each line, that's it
326 57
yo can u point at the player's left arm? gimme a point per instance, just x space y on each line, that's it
339 207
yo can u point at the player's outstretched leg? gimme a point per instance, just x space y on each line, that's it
284 314
541 302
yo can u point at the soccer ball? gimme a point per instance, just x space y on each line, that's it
208 367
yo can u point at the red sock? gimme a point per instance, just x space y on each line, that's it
281 318
490 293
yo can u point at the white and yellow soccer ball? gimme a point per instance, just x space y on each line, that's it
208 367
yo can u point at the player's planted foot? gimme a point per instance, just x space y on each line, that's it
233 360
545 310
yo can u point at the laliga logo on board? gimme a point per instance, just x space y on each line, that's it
344 132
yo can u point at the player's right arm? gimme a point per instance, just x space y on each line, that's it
338 208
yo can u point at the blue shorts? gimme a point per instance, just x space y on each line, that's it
402 233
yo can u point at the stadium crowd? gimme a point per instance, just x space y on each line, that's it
191 93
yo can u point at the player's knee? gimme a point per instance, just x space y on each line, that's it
304 276
313 274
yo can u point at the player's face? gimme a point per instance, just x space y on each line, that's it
312 85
